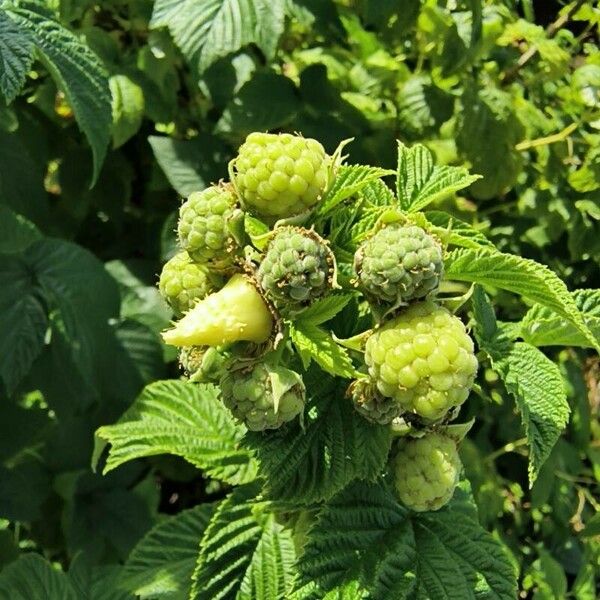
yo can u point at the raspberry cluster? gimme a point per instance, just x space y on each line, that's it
229 303
255 395
251 261
420 361
183 282
203 228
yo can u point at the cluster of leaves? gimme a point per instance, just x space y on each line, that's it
173 87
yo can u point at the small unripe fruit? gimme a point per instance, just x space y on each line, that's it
297 268
183 282
263 396
371 405
204 226
426 471
424 359
280 175
400 263
235 313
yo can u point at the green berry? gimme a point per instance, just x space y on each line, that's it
204 226
424 359
371 405
399 264
203 363
263 396
280 175
183 282
426 472
297 268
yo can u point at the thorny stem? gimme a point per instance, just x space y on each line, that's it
551 31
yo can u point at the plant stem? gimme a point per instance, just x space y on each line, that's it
510 447
551 31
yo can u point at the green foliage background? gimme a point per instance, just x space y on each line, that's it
115 110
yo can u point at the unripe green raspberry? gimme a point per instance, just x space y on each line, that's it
183 282
426 472
203 228
203 364
297 268
263 396
424 359
399 264
371 405
280 175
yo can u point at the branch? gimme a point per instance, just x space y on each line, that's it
551 31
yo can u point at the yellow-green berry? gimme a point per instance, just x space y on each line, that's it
204 226
183 282
280 175
424 359
426 471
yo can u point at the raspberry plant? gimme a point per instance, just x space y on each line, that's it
341 408
112 113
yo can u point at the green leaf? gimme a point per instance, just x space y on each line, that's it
349 180
127 108
16 232
190 165
248 110
244 554
536 383
364 533
455 232
311 463
185 419
314 343
208 30
77 71
22 179
532 379
31 577
16 56
23 321
163 561
488 131
324 309
587 177
422 107
521 276
419 182
544 327
143 347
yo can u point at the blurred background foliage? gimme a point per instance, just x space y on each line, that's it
509 88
